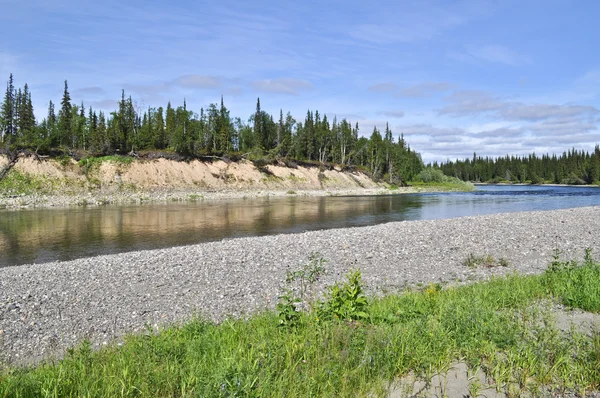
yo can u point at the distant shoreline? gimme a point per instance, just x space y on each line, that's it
535 185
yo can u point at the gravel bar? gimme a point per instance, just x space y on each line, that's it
46 308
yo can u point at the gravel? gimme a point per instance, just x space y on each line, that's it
46 308
116 197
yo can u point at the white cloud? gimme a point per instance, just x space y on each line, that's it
282 85
92 90
198 81
394 114
425 89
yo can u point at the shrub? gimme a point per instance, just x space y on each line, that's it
346 301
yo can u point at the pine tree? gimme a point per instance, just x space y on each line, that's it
160 137
258 129
170 125
65 118
27 126
224 128
7 114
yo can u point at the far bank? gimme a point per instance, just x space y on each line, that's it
125 180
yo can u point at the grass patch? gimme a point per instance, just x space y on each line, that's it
194 197
434 178
17 183
90 164
347 344
488 261
459 186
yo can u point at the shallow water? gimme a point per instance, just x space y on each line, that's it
37 236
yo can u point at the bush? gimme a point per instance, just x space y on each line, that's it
431 175
346 301
436 176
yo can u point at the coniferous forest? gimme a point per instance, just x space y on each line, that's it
70 127
571 167
74 128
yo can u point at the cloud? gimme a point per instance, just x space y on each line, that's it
428 129
108 105
499 54
408 25
518 111
425 89
471 102
502 132
396 114
198 81
477 103
384 87
148 90
93 90
282 85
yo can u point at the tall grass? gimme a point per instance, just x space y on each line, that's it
498 326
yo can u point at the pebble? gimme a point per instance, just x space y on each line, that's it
47 308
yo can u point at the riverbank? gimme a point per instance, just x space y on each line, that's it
122 180
132 197
47 308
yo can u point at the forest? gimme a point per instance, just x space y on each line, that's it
74 129
572 167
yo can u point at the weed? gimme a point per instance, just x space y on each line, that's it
576 285
291 192
488 261
588 259
195 197
346 301
288 307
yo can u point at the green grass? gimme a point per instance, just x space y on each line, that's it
92 163
430 177
17 183
459 186
498 325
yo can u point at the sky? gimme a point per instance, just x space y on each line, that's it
494 77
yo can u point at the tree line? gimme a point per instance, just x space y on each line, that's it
571 167
212 131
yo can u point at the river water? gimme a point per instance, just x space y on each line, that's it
44 235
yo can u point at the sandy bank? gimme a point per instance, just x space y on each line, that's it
68 183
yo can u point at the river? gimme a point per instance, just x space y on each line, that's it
44 235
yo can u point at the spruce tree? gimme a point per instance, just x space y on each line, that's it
65 118
50 134
258 130
7 114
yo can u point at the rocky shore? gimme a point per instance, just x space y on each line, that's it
127 197
47 308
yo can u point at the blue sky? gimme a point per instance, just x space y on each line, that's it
456 77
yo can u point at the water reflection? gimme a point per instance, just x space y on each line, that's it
35 236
